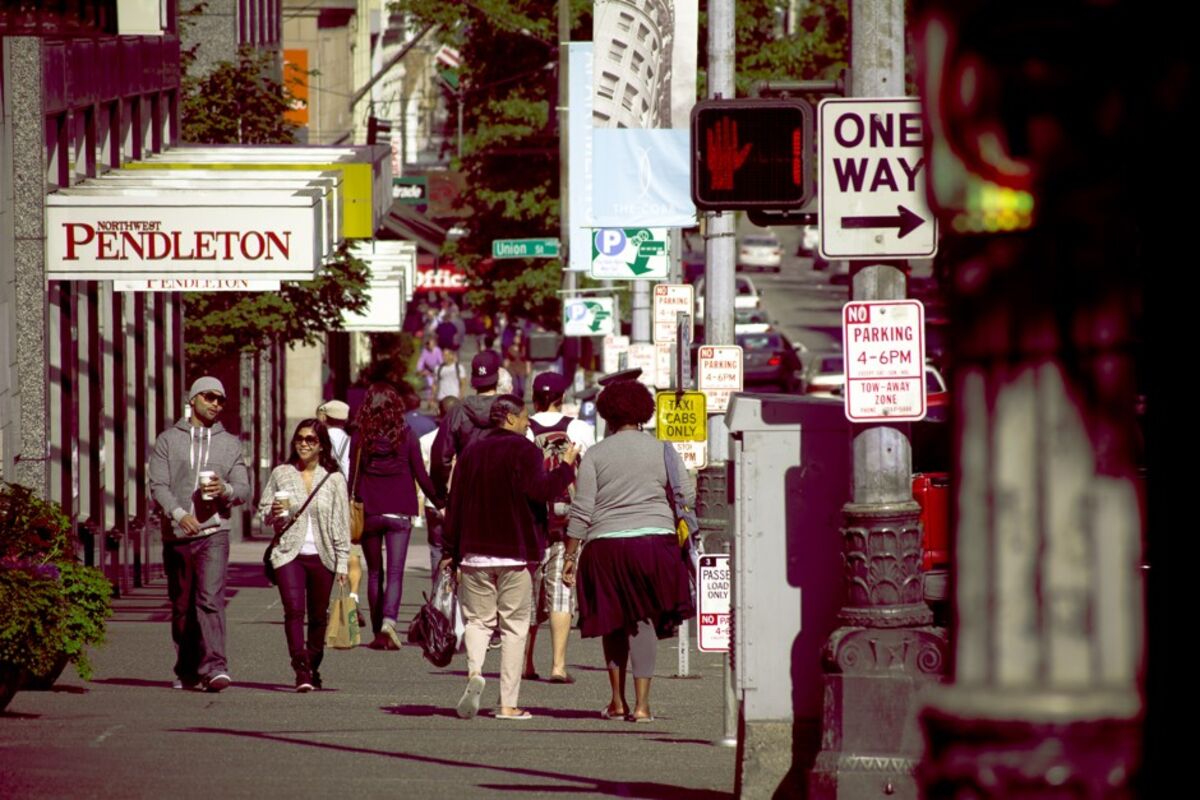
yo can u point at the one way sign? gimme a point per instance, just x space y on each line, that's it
872 180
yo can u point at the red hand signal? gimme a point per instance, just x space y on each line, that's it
724 157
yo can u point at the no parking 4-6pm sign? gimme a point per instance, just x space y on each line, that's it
884 346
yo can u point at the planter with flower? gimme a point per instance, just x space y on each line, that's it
55 608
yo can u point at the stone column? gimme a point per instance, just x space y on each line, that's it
23 67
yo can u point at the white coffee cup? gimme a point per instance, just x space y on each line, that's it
206 476
284 499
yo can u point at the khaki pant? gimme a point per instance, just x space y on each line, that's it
485 594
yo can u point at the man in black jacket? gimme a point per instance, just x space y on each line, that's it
467 421
494 534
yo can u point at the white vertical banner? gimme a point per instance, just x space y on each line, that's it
644 80
579 178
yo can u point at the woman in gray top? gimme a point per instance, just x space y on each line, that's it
314 550
632 581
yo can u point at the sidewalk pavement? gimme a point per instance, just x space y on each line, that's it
385 724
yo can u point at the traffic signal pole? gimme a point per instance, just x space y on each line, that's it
719 249
721 229
886 649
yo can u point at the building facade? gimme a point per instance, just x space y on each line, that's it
88 376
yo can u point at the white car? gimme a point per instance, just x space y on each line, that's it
760 251
745 295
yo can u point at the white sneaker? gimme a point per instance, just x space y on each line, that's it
389 628
468 704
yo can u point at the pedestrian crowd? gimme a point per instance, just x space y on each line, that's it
530 518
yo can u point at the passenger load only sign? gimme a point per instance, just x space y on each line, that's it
715 591
884 343
872 180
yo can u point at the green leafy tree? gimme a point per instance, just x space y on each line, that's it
220 324
241 103
817 51
508 90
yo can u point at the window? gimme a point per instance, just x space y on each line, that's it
617 52
638 61
625 22
642 33
627 100
608 85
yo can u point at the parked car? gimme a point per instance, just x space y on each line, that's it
760 251
824 374
810 246
750 320
745 295
768 358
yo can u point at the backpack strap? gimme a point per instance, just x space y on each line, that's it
560 426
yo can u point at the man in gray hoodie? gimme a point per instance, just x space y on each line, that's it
197 476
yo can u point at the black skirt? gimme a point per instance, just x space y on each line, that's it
625 581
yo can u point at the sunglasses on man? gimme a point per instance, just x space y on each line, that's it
212 398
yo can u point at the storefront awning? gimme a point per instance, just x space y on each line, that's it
393 267
366 173
406 223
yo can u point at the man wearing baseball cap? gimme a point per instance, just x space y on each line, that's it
467 421
552 600
196 477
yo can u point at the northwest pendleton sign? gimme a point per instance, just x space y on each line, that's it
179 235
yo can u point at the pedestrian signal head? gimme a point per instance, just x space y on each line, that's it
751 154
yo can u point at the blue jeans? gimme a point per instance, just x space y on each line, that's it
383 590
196 587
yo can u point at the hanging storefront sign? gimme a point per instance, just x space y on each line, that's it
326 235
393 266
183 234
366 173
222 180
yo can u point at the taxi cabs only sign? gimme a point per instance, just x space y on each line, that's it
884 343
681 417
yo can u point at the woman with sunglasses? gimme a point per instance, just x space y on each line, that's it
314 548
385 466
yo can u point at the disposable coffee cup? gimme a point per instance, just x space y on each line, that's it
285 500
206 476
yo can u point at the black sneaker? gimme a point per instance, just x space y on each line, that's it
316 680
304 682
494 642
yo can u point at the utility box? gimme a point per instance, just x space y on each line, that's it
791 471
